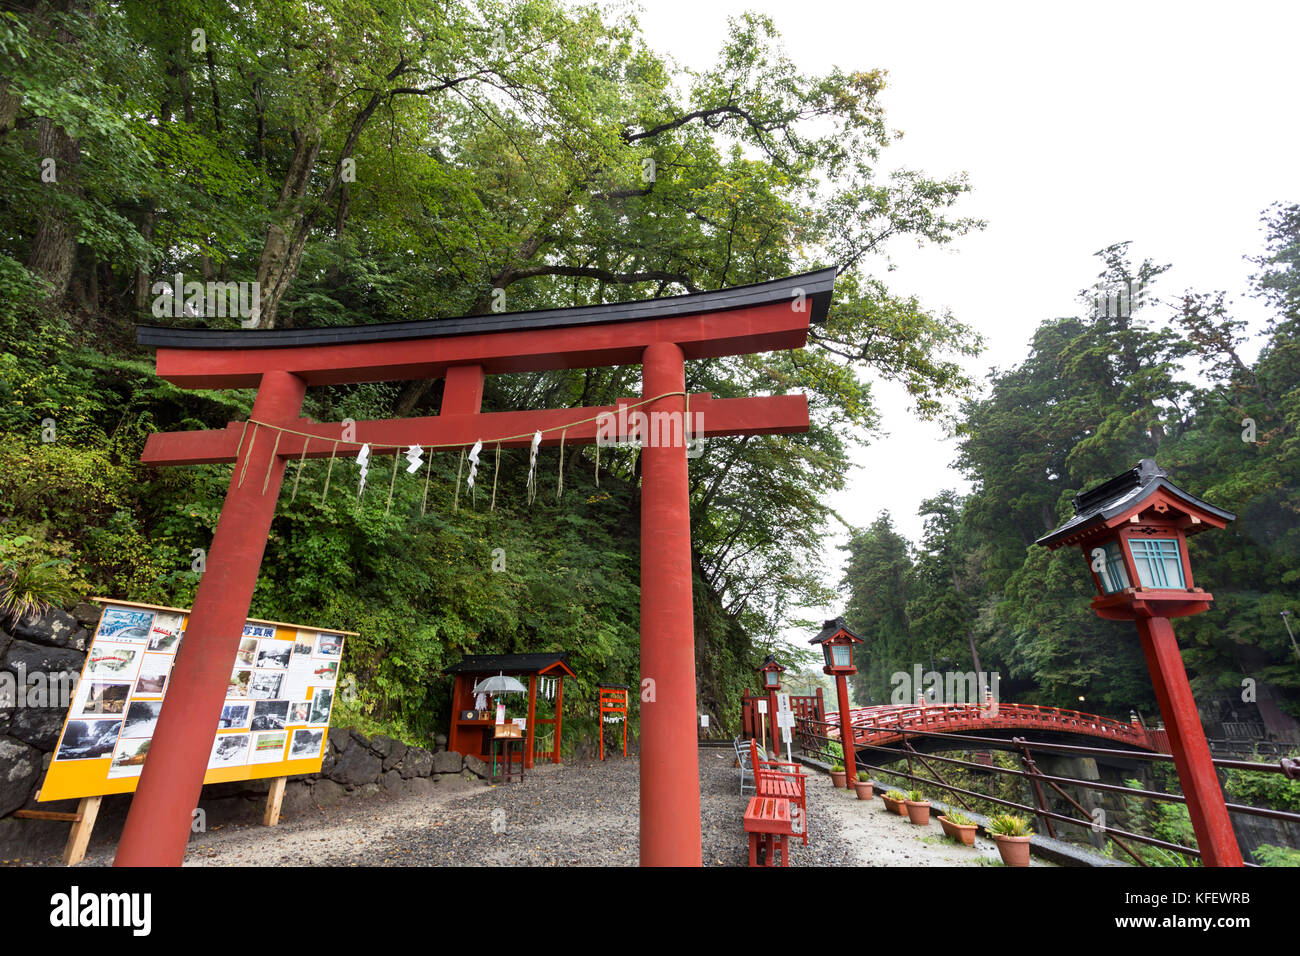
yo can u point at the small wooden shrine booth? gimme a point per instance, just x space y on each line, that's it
472 728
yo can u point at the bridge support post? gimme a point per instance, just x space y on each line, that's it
846 731
1191 752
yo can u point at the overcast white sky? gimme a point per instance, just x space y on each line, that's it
1169 124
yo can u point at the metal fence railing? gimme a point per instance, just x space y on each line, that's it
821 740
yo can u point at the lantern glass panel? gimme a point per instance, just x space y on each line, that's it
843 656
772 678
1158 562
1112 574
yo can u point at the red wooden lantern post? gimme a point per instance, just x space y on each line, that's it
1132 531
837 643
770 673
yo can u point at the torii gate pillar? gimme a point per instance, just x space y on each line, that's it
670 771
172 780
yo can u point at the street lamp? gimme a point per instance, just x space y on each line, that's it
837 642
770 672
1133 533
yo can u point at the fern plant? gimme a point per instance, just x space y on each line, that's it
31 581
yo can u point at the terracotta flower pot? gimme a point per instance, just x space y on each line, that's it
838 778
863 787
963 832
918 811
895 806
1014 850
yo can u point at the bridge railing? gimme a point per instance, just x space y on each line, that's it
883 721
820 734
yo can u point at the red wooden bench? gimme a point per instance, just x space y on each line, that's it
772 780
768 823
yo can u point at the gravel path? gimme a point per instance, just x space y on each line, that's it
581 813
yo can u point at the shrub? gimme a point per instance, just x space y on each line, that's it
34 576
1008 824
1269 855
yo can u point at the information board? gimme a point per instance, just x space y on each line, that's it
274 723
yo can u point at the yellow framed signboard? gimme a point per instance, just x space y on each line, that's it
274 723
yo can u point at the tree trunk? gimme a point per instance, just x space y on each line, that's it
141 276
54 247
9 103
287 237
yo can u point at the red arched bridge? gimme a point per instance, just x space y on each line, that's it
892 723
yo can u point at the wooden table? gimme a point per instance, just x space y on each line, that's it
508 744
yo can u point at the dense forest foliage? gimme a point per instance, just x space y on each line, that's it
1167 379
373 162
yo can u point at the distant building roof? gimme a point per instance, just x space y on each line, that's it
510 664
1095 507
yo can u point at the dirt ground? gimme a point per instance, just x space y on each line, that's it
578 814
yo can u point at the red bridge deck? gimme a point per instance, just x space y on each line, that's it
891 723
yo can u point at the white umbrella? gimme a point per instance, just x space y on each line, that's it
500 685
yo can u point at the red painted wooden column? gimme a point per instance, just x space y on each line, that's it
1205 804
462 390
776 731
559 717
846 731
158 824
670 771
532 714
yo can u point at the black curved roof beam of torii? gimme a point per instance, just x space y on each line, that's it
761 317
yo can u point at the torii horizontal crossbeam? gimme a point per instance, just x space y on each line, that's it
760 318
710 417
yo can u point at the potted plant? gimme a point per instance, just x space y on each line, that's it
896 802
1011 833
957 826
863 785
838 775
918 808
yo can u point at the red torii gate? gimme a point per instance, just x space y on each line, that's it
660 334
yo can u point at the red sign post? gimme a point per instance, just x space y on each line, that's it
281 364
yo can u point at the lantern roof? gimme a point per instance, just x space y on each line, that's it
1111 502
834 628
770 664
